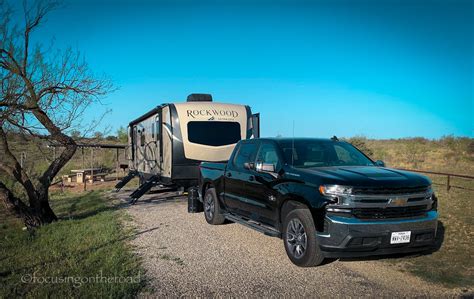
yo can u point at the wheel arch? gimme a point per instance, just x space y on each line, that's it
206 185
292 202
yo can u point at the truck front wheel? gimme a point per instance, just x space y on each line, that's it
299 237
212 211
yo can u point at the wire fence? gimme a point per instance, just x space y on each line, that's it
448 183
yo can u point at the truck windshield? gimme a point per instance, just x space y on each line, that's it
322 153
214 133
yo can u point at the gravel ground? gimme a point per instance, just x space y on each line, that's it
185 256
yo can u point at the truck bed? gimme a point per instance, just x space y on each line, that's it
213 173
214 165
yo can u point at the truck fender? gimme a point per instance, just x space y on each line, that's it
205 185
296 202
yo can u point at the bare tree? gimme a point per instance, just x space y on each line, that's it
44 93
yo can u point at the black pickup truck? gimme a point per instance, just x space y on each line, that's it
323 197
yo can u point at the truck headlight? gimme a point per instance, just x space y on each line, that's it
335 190
339 195
434 203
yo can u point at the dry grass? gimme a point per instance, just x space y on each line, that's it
453 264
417 153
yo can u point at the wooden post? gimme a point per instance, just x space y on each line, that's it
22 158
448 186
92 165
116 164
83 160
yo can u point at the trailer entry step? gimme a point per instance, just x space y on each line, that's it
125 180
144 188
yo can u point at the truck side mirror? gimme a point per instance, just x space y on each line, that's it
264 167
249 165
380 163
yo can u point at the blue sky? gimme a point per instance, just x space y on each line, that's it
383 69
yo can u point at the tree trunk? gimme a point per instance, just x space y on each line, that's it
38 214
43 209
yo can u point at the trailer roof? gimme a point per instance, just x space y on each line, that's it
157 108
147 115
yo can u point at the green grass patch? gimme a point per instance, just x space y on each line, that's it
85 254
453 264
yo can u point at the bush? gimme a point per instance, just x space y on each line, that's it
361 143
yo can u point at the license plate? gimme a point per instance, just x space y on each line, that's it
400 237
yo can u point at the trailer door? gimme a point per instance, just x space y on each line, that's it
158 138
135 148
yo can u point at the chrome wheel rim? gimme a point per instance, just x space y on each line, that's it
209 206
296 238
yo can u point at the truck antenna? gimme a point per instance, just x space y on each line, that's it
293 146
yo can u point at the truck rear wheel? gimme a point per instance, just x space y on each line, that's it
212 210
299 237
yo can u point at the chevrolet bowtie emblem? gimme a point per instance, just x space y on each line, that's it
398 201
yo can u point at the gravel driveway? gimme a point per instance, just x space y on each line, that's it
185 256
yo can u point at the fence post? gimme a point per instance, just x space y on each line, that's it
117 164
92 165
448 186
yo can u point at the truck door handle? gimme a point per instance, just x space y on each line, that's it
229 175
251 178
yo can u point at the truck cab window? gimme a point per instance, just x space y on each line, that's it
318 153
348 157
245 154
268 155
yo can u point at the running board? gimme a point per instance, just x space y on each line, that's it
266 230
125 180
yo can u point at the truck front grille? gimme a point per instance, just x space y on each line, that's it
392 212
391 191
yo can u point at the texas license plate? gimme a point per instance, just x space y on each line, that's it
400 237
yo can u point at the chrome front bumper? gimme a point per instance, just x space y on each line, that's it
349 236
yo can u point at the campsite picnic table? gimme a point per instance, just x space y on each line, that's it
89 174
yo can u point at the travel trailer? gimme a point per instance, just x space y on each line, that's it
167 144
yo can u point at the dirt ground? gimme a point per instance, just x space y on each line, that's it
185 256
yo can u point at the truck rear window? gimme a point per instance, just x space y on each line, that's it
214 133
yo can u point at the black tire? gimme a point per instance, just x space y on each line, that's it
300 242
212 211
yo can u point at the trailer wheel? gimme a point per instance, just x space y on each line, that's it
212 211
299 237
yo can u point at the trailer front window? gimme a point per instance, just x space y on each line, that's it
214 133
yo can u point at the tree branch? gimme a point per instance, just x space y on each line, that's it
11 166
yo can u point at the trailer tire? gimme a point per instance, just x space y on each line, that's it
299 238
212 211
